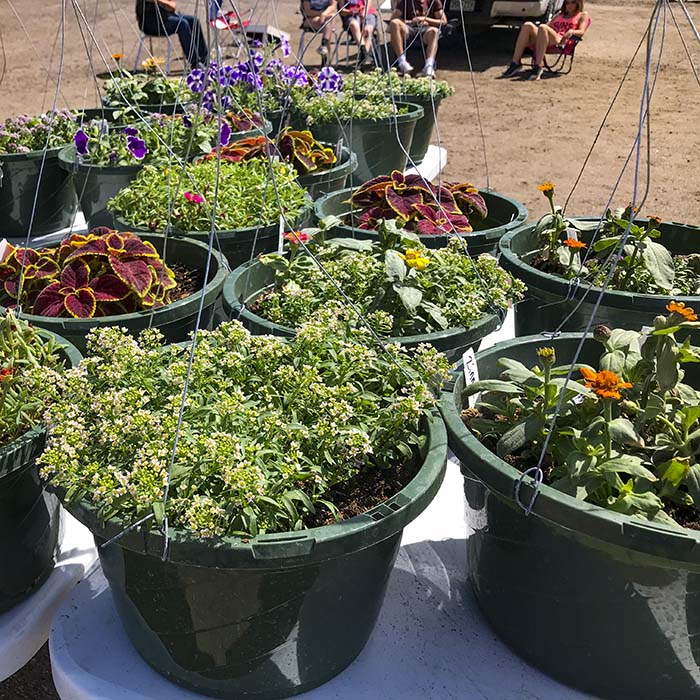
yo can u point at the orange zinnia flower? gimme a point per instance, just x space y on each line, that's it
546 187
605 384
117 56
678 307
655 220
573 243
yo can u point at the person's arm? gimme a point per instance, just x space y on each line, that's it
167 5
436 18
330 11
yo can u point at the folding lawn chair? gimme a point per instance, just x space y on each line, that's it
564 55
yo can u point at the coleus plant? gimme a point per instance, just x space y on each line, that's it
588 249
401 287
418 205
103 273
299 148
627 434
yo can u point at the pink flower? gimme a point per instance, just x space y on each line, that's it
296 237
194 198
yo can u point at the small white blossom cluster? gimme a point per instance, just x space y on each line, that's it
269 428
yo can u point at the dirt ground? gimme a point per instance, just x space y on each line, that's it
533 131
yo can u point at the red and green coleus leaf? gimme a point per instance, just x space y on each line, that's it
402 203
80 303
469 200
431 222
57 301
136 274
109 288
75 275
372 191
134 246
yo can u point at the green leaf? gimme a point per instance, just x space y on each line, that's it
689 414
361 244
622 431
395 266
492 385
659 262
571 386
626 464
410 297
584 225
518 372
518 436
674 471
330 221
158 512
605 243
666 364
692 481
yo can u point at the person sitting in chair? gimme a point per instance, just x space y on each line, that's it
360 20
318 17
410 20
571 21
160 18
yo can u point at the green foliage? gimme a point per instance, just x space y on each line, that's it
402 287
25 134
269 427
246 196
330 107
645 265
26 362
627 437
150 88
378 84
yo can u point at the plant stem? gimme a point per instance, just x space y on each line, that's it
607 408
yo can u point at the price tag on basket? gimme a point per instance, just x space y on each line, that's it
471 373
280 243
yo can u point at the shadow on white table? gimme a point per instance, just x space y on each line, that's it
24 629
432 165
431 641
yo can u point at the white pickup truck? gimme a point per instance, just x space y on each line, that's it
488 12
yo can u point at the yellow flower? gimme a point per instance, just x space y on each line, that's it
151 63
678 307
117 56
605 384
546 188
416 259
547 355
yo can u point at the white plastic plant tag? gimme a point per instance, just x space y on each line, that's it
3 248
578 399
280 244
572 233
471 373
339 149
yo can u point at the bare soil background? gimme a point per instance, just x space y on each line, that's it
533 131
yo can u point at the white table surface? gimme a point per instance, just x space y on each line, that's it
433 163
24 629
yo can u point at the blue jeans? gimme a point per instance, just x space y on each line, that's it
187 28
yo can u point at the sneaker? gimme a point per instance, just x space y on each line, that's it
512 69
367 61
404 67
323 50
536 73
428 71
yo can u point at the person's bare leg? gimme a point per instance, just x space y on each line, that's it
546 36
355 31
367 37
430 41
398 31
526 37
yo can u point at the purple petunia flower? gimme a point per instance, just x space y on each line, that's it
224 103
195 80
81 142
131 131
187 122
256 43
286 50
208 100
253 81
329 80
225 134
294 75
273 67
137 147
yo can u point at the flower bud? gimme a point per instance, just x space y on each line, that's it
659 322
602 333
547 356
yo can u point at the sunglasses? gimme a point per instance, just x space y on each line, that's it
570 2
